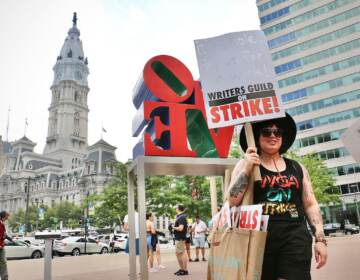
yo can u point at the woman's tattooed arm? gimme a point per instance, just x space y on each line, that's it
237 188
312 208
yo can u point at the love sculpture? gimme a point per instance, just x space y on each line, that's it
171 114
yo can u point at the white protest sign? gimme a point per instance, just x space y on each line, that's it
250 216
351 140
238 79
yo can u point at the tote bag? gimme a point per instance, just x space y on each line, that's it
236 254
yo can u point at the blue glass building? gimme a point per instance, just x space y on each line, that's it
315 46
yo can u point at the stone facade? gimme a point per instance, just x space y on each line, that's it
68 169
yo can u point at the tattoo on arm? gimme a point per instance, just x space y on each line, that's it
239 185
312 209
315 221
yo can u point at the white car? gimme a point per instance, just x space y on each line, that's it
75 245
118 238
21 250
120 241
31 240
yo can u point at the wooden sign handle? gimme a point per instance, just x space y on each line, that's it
251 143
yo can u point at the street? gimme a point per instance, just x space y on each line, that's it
344 256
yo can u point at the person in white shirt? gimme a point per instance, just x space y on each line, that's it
137 235
199 230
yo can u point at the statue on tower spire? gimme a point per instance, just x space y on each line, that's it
74 19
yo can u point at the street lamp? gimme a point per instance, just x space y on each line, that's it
27 206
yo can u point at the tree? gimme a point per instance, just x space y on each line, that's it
235 149
160 198
322 182
111 205
67 212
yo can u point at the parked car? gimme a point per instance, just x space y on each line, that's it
120 241
351 229
30 240
331 228
75 245
105 238
23 250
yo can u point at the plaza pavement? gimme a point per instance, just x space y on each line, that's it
343 263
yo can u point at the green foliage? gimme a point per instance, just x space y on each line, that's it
160 197
111 205
67 212
322 182
194 194
235 149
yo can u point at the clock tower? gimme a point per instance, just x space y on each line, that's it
68 111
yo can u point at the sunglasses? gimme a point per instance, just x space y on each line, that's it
267 131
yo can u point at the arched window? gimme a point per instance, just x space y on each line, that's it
54 123
76 123
56 96
77 96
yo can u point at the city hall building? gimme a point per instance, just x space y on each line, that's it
68 169
315 47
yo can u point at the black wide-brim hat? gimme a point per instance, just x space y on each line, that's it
287 123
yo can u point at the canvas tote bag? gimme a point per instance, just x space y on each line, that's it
228 254
236 254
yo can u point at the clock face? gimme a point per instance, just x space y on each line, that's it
78 75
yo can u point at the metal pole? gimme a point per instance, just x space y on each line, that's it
27 206
86 218
142 219
47 259
131 222
213 195
227 178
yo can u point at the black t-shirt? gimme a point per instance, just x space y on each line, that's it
281 194
181 220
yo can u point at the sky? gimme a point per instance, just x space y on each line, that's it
119 37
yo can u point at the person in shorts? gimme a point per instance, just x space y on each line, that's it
150 233
199 229
180 229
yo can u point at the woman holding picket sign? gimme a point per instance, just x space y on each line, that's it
287 196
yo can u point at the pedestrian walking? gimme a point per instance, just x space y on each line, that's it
150 232
180 230
287 196
199 229
3 264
